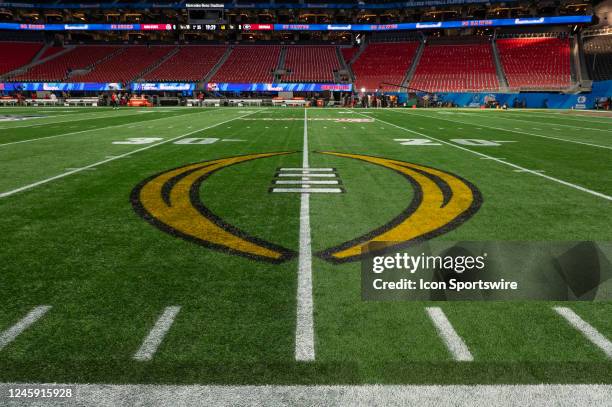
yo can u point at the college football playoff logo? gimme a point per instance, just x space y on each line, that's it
171 202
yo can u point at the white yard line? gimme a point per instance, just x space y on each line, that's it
501 161
306 182
509 130
156 335
14 331
304 329
451 338
558 115
96 115
86 131
586 329
113 158
502 395
551 124
308 190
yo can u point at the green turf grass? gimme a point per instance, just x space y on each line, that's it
76 243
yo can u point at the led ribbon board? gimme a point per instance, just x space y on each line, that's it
434 25
87 27
162 86
279 87
59 87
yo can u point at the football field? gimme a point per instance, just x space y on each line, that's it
223 245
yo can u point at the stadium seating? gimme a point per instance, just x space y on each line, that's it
598 53
536 63
451 68
126 65
21 53
349 53
311 64
383 62
249 64
50 51
57 69
191 63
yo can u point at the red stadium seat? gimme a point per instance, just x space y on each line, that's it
349 53
536 63
50 52
57 69
311 64
383 62
17 54
126 65
249 64
192 63
456 68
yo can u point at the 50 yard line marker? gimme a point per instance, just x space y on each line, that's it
304 329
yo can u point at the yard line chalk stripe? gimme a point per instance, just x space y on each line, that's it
518 131
306 182
307 174
309 190
586 329
304 329
500 395
157 334
65 174
453 341
96 115
307 169
88 130
556 124
13 332
501 161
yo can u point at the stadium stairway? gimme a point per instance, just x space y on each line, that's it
415 63
344 65
383 62
88 69
218 65
501 76
541 63
282 59
156 65
445 67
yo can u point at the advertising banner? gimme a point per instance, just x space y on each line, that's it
279 87
59 87
162 86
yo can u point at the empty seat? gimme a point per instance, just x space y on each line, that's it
311 64
455 68
598 52
191 64
249 64
536 63
383 63
58 68
17 54
126 65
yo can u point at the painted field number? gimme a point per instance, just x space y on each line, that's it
462 141
139 140
197 141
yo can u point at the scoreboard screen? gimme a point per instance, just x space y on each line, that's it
208 27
